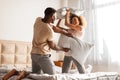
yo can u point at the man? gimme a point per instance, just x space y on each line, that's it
43 42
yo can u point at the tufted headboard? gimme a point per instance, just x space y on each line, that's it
15 53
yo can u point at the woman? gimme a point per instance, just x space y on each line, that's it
76 27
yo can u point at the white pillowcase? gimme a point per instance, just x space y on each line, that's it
64 41
79 49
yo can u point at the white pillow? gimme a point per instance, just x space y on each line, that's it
79 49
64 41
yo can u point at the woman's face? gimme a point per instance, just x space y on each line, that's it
75 21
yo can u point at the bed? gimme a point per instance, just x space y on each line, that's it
16 54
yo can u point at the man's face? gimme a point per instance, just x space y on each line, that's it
53 18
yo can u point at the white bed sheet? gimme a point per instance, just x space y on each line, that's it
77 76
72 75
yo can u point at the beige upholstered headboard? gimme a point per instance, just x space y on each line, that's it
15 53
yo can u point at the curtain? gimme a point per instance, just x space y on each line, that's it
102 29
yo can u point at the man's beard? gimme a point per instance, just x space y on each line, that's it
52 21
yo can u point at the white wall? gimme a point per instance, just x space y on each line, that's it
73 3
17 17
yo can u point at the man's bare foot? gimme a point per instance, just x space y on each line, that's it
21 75
10 74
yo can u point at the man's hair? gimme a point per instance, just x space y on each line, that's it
49 11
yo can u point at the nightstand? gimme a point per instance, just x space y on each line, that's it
58 63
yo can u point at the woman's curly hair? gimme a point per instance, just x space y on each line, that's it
81 19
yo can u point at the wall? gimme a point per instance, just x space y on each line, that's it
73 4
17 17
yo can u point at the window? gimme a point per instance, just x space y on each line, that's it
108 23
